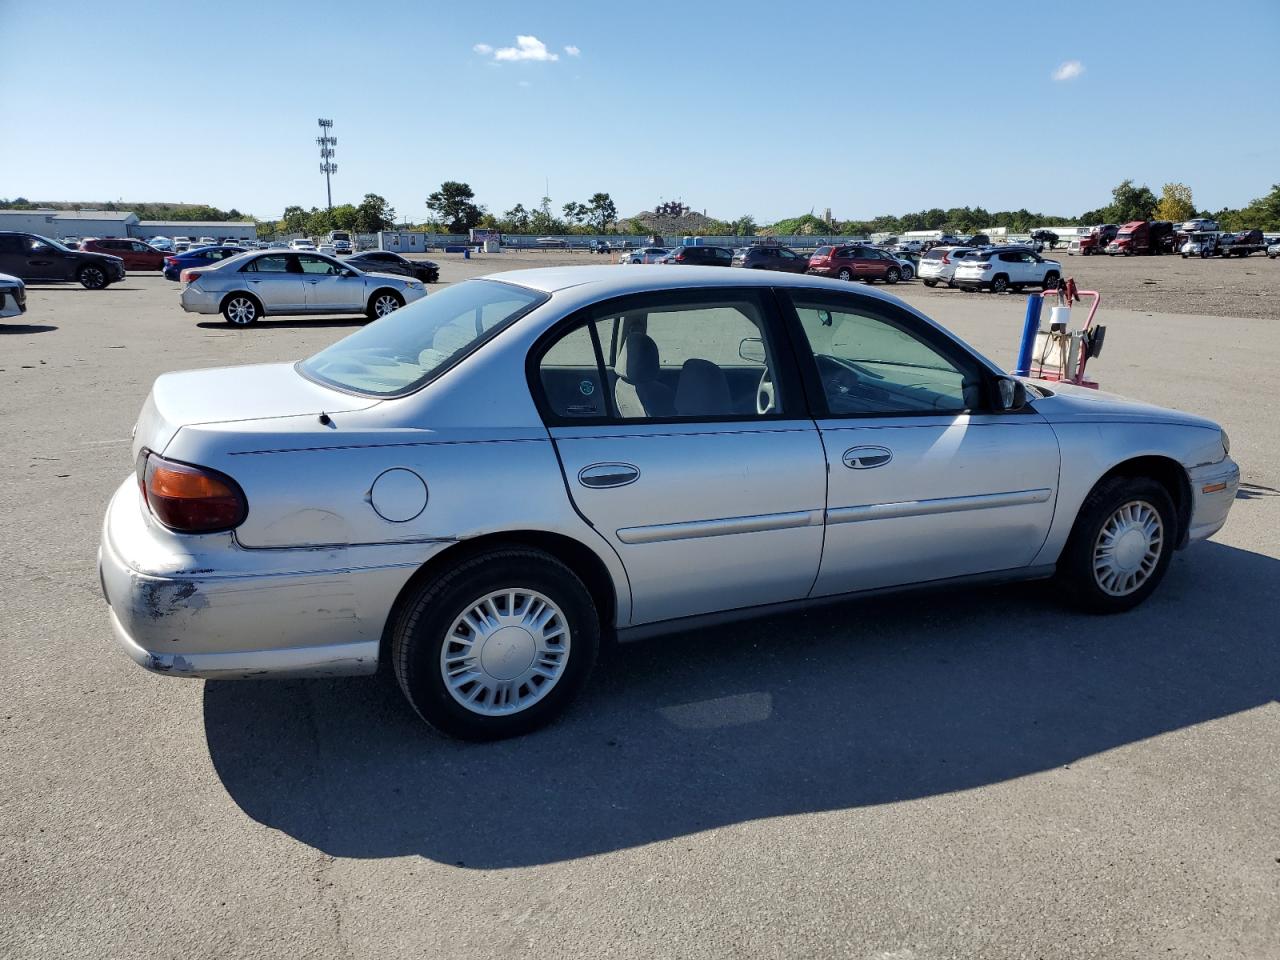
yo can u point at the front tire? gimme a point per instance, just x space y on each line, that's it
496 646
382 303
1120 546
92 277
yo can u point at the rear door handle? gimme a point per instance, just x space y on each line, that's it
866 457
601 475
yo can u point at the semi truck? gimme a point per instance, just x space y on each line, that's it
1142 236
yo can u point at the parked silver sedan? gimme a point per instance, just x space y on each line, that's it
250 286
503 473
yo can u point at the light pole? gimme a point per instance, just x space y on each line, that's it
327 166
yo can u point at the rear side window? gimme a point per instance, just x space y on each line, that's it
273 264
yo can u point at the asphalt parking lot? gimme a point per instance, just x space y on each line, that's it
969 774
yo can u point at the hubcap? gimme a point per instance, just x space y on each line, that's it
94 276
240 310
505 652
384 305
1128 548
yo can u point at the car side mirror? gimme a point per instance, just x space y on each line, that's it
752 349
1011 394
348 272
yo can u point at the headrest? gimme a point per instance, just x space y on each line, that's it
640 365
703 390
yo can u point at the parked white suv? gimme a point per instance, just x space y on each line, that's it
1006 268
939 265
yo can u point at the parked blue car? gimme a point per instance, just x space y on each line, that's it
199 257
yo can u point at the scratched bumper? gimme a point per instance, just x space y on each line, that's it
1213 490
203 606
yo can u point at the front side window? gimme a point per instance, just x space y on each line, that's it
872 363
670 356
409 348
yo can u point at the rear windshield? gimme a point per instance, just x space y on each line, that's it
937 253
822 252
409 348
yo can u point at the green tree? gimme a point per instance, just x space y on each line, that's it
515 220
1131 203
1175 203
601 211
1262 214
374 214
454 204
293 220
343 217
543 221
574 212
744 226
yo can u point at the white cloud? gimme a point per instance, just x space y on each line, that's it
572 51
526 48
1069 70
483 49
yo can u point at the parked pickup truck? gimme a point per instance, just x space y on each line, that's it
1094 242
1241 244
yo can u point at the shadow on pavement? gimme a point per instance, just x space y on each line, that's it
267 323
868 703
25 327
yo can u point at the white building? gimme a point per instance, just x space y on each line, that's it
218 229
70 223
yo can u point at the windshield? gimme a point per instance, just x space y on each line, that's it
412 346
53 243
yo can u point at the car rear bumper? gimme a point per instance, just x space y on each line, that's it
195 300
1213 491
203 606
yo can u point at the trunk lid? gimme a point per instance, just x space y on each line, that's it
229 394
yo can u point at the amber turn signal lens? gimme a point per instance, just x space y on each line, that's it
192 499
1213 487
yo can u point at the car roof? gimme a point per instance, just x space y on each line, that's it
603 281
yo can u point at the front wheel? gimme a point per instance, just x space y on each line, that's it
1120 546
384 302
497 645
93 277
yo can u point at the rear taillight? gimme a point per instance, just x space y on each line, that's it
187 498
945 258
186 276
679 258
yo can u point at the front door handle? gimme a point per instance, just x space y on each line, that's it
601 475
866 457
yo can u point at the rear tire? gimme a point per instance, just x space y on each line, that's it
999 283
470 681
930 283
92 277
1120 546
241 310
845 274
892 275
1050 280
382 303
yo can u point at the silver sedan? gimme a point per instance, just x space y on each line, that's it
253 285
505 472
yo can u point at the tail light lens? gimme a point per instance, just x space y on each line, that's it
187 498
170 261
946 259
187 276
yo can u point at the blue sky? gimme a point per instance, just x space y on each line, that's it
739 107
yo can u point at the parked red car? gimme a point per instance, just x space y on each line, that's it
135 254
855 263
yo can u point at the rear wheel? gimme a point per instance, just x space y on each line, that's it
1050 280
241 310
1120 546
92 277
384 302
845 274
930 283
999 284
496 646
892 275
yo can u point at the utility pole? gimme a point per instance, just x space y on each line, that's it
327 166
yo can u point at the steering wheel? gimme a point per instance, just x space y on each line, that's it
765 399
